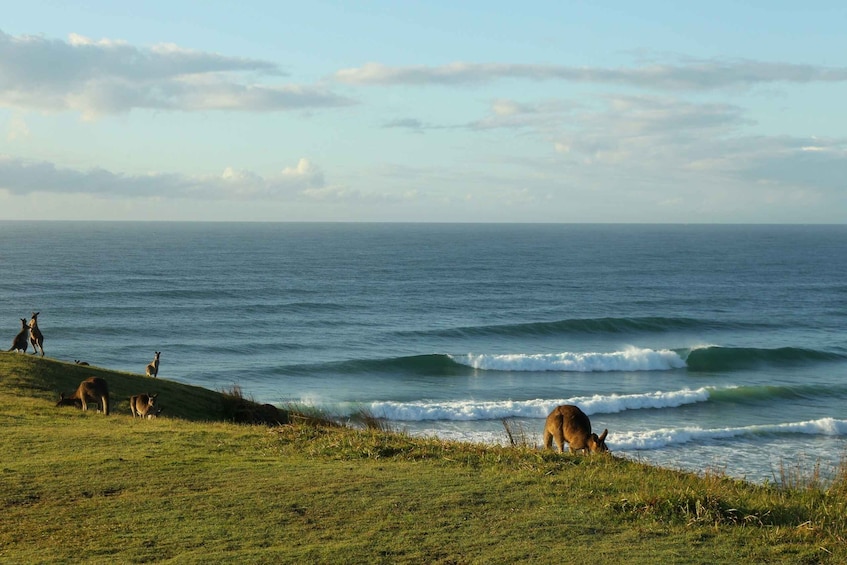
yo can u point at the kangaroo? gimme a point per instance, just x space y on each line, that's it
153 368
92 389
569 424
35 335
20 341
144 405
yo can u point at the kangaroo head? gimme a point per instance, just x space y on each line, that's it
72 401
598 444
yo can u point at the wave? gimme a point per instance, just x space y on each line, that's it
754 394
468 410
428 365
660 439
700 359
630 359
577 326
715 358
657 439
473 410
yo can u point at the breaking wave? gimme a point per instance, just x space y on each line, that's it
631 359
466 410
657 439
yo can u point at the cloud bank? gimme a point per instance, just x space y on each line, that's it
692 76
20 177
113 77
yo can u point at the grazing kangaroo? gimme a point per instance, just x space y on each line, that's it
569 424
20 341
92 389
144 405
153 368
35 335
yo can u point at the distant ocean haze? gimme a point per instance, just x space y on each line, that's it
691 343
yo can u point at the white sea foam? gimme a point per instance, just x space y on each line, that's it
465 410
657 439
630 359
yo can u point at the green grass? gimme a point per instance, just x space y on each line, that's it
196 487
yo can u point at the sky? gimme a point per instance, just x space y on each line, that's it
424 111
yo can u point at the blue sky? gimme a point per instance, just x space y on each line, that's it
424 111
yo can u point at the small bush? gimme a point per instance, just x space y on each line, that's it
243 410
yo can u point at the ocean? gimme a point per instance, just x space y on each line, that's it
710 348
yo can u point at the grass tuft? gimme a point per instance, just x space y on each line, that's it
516 433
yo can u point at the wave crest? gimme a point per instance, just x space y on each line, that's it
468 410
631 359
657 439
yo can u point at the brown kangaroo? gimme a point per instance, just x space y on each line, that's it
92 389
153 368
20 341
569 424
144 405
35 335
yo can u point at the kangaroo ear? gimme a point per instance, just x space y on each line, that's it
602 437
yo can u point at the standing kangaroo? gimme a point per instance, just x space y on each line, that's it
153 368
144 405
92 389
35 335
568 424
20 341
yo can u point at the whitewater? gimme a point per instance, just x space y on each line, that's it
699 347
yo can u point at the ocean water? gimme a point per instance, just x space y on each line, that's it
705 348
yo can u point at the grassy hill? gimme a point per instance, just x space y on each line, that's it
197 487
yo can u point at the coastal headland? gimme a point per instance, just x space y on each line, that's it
215 480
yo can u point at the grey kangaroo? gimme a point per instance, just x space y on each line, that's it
20 341
92 389
144 405
153 368
35 335
568 424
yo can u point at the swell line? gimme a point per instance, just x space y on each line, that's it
592 326
657 439
715 358
470 410
706 358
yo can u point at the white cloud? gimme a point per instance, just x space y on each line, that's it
18 129
112 77
661 142
503 107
